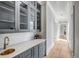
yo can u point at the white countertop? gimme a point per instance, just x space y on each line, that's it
21 47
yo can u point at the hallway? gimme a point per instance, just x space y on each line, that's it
60 50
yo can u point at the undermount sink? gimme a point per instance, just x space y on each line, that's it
7 51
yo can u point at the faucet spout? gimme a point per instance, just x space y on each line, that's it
6 42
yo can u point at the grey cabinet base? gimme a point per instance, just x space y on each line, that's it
37 51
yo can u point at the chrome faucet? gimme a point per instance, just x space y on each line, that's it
6 41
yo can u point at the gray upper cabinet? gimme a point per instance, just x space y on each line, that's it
17 16
23 16
7 16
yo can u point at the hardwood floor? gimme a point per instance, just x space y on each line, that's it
60 50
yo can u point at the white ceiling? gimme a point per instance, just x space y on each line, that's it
61 9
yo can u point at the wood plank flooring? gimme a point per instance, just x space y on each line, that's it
60 50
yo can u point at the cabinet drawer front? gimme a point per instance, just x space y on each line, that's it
25 54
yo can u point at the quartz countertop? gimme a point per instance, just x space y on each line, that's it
21 47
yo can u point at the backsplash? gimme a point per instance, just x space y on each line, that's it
16 37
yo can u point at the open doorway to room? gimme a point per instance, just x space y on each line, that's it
63 31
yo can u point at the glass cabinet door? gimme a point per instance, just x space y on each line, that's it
23 16
7 15
32 20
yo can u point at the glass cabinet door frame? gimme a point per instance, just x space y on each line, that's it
18 17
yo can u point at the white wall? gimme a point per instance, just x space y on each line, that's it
70 32
16 37
50 28
56 30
